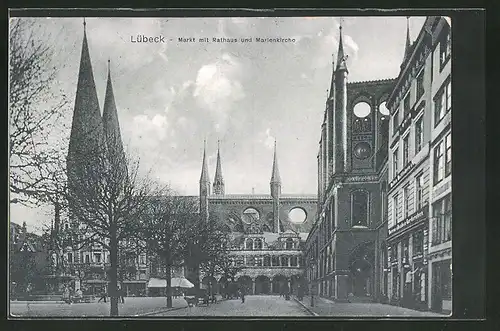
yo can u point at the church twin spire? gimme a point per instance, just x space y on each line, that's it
89 129
218 180
218 185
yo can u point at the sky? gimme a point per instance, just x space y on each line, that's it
172 96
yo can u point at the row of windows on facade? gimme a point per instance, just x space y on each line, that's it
98 257
257 243
441 231
441 270
417 248
269 261
441 169
442 100
326 266
442 106
360 201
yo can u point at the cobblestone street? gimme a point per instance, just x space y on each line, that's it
325 307
133 306
255 305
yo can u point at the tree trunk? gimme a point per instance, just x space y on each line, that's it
113 251
168 277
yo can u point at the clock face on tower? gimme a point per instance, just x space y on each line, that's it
362 150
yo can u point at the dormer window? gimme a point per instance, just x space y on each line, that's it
289 243
257 243
249 244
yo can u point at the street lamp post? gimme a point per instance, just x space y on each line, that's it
311 280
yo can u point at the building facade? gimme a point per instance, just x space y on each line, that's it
419 193
266 239
344 245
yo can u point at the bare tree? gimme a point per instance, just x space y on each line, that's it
107 196
35 112
163 231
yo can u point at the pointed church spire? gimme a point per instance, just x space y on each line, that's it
218 180
275 177
341 57
408 42
87 129
204 178
332 83
110 117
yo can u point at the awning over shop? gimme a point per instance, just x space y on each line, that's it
175 282
157 282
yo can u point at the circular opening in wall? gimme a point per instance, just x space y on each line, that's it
362 109
297 215
250 215
383 109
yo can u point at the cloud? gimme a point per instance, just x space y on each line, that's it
150 129
217 88
351 45
268 140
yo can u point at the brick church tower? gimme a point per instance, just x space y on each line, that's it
351 168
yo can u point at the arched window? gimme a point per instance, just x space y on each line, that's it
284 261
359 208
267 261
257 243
275 261
249 244
293 261
289 243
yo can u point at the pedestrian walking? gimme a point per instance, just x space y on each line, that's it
243 295
103 296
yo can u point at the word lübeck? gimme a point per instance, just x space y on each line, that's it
145 39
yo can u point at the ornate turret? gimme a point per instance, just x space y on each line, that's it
408 41
340 111
275 191
341 56
218 180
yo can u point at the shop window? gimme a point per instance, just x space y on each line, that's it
418 243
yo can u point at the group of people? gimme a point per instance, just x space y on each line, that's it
120 292
69 296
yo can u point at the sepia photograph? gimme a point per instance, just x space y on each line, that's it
230 166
